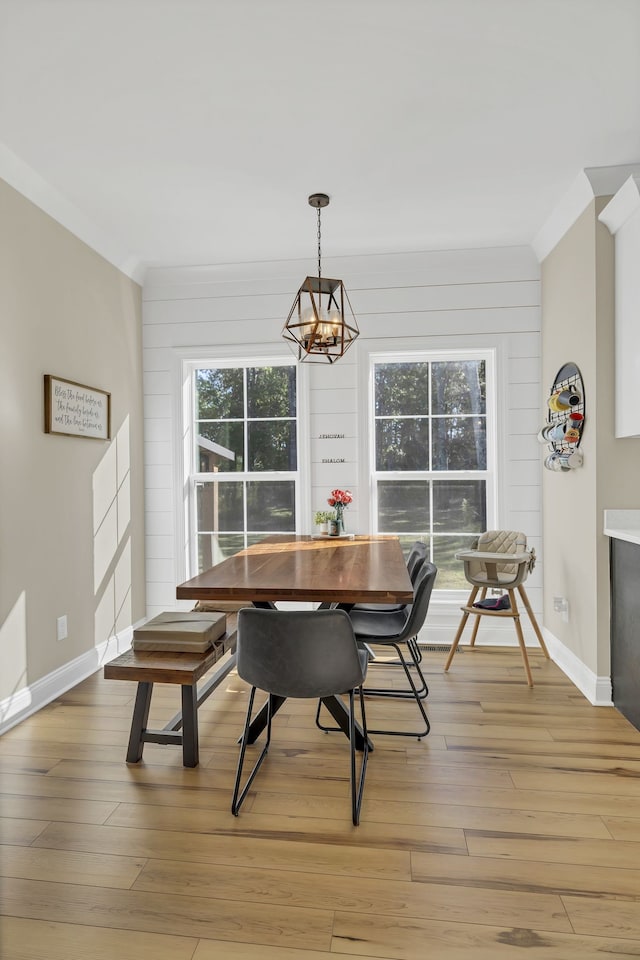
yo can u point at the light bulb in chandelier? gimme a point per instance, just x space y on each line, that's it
320 331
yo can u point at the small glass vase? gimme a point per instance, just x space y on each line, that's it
338 524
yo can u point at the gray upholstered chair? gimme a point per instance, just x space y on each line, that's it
398 630
310 654
498 560
417 556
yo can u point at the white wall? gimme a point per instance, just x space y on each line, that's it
458 299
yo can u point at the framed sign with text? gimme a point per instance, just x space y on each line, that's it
75 410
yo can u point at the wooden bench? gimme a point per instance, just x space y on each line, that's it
149 667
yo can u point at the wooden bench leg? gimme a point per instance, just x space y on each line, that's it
139 722
190 757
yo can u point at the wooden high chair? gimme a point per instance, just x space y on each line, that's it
498 559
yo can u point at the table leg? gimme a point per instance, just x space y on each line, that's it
139 722
340 714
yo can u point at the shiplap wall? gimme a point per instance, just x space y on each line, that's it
457 299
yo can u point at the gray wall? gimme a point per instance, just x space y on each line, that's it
578 325
71 509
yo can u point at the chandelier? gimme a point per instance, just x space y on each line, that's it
321 325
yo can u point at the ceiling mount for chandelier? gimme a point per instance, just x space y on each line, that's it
321 325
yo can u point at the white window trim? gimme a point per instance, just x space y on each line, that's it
185 361
438 348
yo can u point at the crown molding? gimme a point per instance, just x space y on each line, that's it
590 183
623 205
31 185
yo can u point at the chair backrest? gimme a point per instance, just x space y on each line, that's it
417 557
298 653
497 541
417 611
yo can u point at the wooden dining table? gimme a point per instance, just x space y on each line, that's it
347 570
362 569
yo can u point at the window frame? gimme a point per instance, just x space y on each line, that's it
423 351
230 358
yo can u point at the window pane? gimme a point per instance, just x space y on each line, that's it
219 506
401 389
458 387
459 443
450 571
223 448
272 445
403 505
459 505
244 424
271 506
430 416
214 548
219 394
271 391
402 444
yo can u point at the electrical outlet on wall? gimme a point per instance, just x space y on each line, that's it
62 630
561 606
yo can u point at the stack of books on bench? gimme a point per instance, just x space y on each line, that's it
180 632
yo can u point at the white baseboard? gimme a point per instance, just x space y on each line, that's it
440 630
596 689
32 698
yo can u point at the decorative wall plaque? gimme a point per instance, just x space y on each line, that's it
75 410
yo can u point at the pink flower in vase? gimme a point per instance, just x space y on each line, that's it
340 499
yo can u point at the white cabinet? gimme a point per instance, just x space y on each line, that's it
622 217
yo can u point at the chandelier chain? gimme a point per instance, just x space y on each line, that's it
319 251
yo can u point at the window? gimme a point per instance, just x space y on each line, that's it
244 478
432 471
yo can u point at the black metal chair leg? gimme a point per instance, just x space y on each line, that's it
422 688
357 791
416 652
416 696
320 726
237 801
355 745
340 713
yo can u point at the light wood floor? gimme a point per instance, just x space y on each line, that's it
513 830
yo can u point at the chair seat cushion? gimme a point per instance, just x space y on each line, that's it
378 627
379 607
494 603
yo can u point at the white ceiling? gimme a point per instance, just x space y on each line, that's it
192 131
